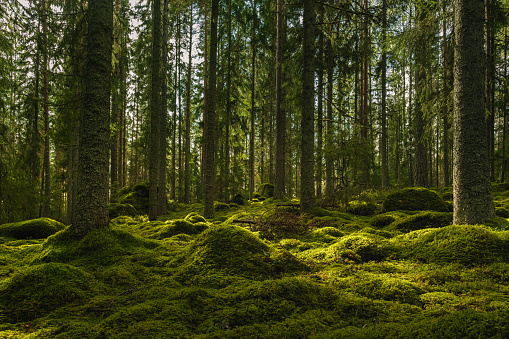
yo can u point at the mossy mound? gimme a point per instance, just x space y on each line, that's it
178 226
414 199
116 210
325 234
361 207
31 229
42 288
233 251
359 247
266 190
382 220
466 244
423 220
392 289
194 217
136 196
502 212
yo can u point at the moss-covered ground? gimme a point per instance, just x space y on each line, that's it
400 273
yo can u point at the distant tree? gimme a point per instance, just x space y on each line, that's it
91 210
473 201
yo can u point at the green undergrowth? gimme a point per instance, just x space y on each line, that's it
332 273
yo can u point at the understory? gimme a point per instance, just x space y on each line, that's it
385 266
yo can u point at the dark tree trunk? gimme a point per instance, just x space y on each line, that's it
445 108
209 177
473 201
114 109
279 183
307 192
155 112
163 144
187 137
319 123
383 141
329 157
252 117
46 208
91 209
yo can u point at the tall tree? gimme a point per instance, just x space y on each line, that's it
45 97
187 137
91 209
307 192
252 117
383 142
155 111
161 200
210 126
473 201
279 187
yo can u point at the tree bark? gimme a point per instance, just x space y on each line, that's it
187 137
91 210
46 208
155 112
473 201
307 192
163 144
383 141
209 177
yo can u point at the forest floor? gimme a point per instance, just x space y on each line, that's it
327 274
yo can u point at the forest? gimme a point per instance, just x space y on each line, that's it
254 169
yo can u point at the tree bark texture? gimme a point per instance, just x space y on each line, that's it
209 167
473 201
91 209
163 144
155 111
307 192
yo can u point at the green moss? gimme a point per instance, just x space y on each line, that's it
361 247
423 220
382 220
325 234
31 229
414 199
178 226
498 223
502 212
266 190
361 207
220 206
239 200
136 196
116 209
386 288
467 245
194 217
41 288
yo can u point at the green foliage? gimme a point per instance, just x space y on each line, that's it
423 220
116 209
31 229
414 199
467 245
221 206
194 217
179 226
361 207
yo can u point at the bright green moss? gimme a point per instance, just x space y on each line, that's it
221 206
392 289
361 207
361 247
194 217
467 245
325 234
178 226
414 199
31 229
266 190
382 220
423 220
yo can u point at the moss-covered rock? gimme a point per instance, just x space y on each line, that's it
359 247
238 199
116 209
414 199
178 226
31 229
465 244
361 207
423 220
266 190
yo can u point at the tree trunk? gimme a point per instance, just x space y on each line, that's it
187 157
279 183
155 111
329 157
473 201
445 108
319 123
114 103
210 127
383 141
307 192
252 117
46 209
91 209
162 198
